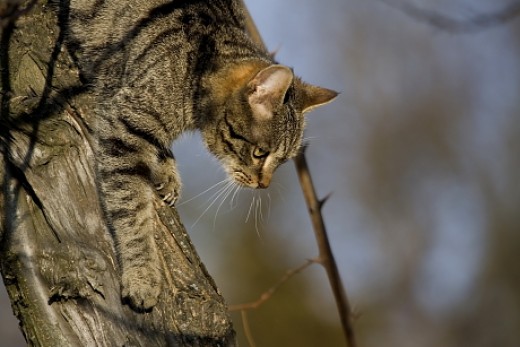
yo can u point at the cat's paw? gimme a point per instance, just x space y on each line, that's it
168 191
141 288
166 180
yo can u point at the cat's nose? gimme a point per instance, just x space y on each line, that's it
263 185
264 181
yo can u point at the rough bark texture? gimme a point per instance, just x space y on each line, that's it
56 255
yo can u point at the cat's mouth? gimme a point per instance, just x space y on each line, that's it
250 182
244 180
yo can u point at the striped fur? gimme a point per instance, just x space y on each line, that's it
160 68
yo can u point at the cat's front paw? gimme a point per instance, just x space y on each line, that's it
168 190
166 179
141 288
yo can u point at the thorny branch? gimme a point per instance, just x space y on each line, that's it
470 25
326 258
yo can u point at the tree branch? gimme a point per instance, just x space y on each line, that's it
11 10
56 255
471 25
326 258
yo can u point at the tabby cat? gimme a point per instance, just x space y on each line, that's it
160 68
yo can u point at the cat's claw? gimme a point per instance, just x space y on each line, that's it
170 199
168 192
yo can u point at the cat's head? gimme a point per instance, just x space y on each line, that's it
260 121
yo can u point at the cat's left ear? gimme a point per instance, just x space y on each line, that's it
316 96
268 89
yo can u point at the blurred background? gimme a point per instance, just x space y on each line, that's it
421 152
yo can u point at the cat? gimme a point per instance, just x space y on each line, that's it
161 68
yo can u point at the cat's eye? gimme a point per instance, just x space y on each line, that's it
259 153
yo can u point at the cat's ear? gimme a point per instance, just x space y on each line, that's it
316 96
268 89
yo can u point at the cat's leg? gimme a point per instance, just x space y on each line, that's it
128 203
125 174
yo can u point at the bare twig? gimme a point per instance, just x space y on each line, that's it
269 293
326 257
247 330
471 25
265 296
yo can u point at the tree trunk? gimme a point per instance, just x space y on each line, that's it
56 254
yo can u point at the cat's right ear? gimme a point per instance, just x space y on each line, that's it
268 89
316 96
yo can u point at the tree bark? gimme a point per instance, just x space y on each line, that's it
56 254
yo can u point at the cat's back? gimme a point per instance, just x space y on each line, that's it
100 23
105 24
113 39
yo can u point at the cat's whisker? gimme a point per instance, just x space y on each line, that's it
212 200
229 189
250 208
280 190
202 193
216 196
268 206
258 202
237 190
260 211
218 193
308 139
